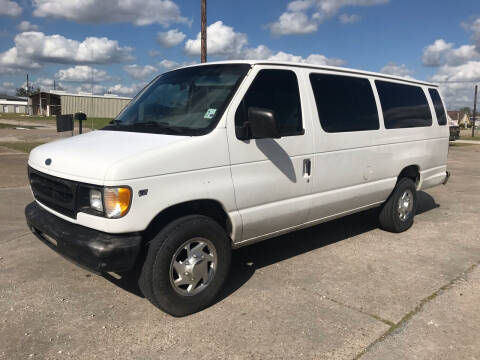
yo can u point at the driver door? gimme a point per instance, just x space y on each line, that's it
271 177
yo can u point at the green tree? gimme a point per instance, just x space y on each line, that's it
466 110
21 92
26 92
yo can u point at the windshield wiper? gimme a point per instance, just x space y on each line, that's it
160 125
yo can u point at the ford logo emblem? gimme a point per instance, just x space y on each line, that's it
48 161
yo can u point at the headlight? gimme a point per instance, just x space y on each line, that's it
116 201
96 201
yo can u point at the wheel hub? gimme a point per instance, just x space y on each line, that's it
193 266
405 205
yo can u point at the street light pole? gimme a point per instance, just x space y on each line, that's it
474 111
204 32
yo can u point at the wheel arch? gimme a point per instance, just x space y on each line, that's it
411 172
207 207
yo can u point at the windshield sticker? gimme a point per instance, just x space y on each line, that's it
210 113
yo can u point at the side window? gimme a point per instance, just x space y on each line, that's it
404 106
275 90
344 103
438 105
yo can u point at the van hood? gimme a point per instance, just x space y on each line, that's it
88 157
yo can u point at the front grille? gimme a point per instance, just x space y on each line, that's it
55 193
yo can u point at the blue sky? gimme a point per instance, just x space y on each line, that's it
124 44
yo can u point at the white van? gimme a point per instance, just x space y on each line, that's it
216 156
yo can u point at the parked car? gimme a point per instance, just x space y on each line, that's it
212 157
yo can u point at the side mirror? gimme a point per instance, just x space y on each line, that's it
262 123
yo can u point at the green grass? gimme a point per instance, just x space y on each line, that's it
12 116
98 123
25 147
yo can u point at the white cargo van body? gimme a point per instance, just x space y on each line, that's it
284 146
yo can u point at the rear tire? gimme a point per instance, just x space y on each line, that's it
397 213
200 250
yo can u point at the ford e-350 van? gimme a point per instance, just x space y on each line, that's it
216 156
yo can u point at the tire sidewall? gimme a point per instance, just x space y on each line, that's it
404 184
171 238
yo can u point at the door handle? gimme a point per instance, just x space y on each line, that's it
307 167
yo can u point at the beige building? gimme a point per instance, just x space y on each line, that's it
57 102
13 104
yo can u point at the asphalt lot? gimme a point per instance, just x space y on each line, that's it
341 290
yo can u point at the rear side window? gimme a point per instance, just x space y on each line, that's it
438 105
344 103
403 106
275 90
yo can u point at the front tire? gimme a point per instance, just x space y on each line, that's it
399 210
186 265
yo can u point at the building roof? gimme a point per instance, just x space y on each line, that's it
456 115
81 94
321 67
12 98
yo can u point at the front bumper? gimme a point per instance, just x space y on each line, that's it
89 248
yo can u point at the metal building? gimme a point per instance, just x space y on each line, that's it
57 102
13 104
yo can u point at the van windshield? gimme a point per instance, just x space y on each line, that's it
187 101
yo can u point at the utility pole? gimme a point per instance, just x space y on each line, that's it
474 111
54 87
28 87
204 32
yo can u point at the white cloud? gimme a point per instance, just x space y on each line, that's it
140 72
397 70
138 12
82 73
457 94
168 64
170 38
434 54
154 53
349 19
290 23
458 68
126 90
475 28
222 40
45 84
468 72
304 16
318 59
26 26
9 8
462 54
7 88
261 52
34 48
315 59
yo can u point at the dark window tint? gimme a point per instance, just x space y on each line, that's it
438 105
275 90
344 103
403 106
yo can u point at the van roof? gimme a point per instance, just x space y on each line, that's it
321 67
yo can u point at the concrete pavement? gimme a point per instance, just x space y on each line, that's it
341 290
